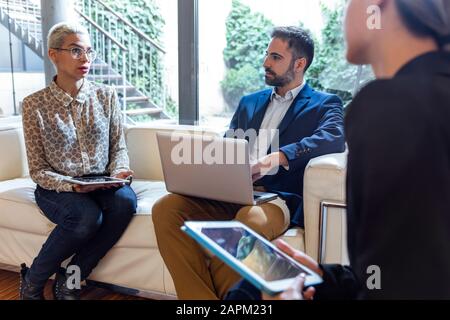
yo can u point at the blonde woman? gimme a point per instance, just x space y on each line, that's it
73 127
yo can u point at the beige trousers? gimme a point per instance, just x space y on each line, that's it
197 276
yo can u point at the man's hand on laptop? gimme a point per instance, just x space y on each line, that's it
268 165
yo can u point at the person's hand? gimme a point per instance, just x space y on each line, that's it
124 174
299 256
267 164
294 292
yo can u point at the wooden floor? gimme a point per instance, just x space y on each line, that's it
9 284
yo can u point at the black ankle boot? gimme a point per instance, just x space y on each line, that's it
27 290
60 289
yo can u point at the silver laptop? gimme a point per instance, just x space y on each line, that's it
209 167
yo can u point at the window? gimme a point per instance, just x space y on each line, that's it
169 39
140 44
233 37
24 59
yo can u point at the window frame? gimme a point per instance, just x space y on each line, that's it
188 62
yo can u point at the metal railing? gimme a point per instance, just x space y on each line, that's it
109 67
128 58
143 63
27 14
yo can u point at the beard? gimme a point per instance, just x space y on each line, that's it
283 79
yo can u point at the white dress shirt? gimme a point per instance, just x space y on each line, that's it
275 113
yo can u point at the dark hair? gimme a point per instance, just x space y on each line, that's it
429 18
300 42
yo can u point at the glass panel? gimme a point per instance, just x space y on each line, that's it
234 35
5 59
148 31
169 39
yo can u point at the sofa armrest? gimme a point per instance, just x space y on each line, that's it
333 233
143 147
13 162
324 181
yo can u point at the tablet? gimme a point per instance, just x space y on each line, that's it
253 257
85 181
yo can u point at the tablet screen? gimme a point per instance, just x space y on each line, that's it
254 253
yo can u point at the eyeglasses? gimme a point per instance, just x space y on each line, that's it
77 53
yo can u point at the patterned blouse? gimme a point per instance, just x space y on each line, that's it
73 137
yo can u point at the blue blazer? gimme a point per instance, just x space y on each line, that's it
313 126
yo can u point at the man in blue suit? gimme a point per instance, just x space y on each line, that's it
308 124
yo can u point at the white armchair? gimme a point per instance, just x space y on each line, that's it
325 210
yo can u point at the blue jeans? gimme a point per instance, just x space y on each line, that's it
87 226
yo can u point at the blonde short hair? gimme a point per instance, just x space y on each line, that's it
60 31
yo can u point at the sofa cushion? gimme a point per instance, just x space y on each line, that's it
140 233
18 190
18 211
148 192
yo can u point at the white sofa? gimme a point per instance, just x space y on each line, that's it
134 265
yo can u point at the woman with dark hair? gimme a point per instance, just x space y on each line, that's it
398 178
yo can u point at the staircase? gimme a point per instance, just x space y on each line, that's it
140 88
25 23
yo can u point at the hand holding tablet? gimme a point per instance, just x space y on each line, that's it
91 183
249 254
95 180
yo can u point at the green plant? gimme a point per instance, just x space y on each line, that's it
171 108
239 82
248 35
330 71
144 14
144 64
